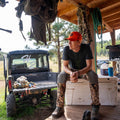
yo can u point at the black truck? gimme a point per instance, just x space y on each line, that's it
28 79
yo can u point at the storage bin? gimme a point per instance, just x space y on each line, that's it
79 93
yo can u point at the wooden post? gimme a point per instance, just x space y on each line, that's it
113 43
93 42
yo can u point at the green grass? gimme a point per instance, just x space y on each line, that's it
3 113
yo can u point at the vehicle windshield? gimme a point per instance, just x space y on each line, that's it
29 62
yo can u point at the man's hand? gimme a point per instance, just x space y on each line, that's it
74 76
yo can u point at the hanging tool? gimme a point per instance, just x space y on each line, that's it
9 31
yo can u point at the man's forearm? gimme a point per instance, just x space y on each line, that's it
84 70
67 69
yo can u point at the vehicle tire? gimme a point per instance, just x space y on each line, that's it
53 98
10 105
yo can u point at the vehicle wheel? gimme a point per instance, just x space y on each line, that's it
53 98
10 105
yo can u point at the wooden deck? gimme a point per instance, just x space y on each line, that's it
106 112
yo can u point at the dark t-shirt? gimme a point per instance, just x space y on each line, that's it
77 60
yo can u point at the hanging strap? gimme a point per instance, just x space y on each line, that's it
19 10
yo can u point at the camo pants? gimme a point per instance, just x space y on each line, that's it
93 83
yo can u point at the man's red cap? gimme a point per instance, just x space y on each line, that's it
74 36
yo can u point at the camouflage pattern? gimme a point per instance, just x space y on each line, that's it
83 14
60 95
94 88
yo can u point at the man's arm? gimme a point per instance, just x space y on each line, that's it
65 66
87 68
73 75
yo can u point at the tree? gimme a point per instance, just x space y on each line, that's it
60 29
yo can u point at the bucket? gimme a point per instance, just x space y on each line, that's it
104 71
110 71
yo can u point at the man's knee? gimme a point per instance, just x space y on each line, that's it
62 77
93 77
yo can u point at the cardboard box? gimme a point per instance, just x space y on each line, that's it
79 93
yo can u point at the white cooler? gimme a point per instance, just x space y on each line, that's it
79 93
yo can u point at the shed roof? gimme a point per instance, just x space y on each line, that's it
110 11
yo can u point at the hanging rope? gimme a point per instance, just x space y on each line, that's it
97 21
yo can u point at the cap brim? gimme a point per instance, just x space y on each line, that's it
69 39
66 39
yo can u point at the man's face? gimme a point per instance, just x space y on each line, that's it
74 44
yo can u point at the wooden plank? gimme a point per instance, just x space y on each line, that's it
112 17
114 22
95 3
75 112
109 28
110 12
109 4
66 10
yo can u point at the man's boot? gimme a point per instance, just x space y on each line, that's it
58 112
95 112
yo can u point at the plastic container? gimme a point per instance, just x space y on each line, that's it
110 71
104 69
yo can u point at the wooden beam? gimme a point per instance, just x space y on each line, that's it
114 22
66 10
113 43
92 43
115 25
109 28
109 4
110 12
95 3
113 37
103 4
112 18
76 2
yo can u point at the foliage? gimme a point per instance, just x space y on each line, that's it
60 29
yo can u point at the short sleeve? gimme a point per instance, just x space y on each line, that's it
89 53
65 53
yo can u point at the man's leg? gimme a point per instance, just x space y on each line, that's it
59 111
94 88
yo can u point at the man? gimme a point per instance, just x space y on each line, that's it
77 61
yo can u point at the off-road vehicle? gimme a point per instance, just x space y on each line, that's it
29 79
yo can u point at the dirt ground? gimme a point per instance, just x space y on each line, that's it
39 114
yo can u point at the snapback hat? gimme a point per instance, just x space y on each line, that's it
74 36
